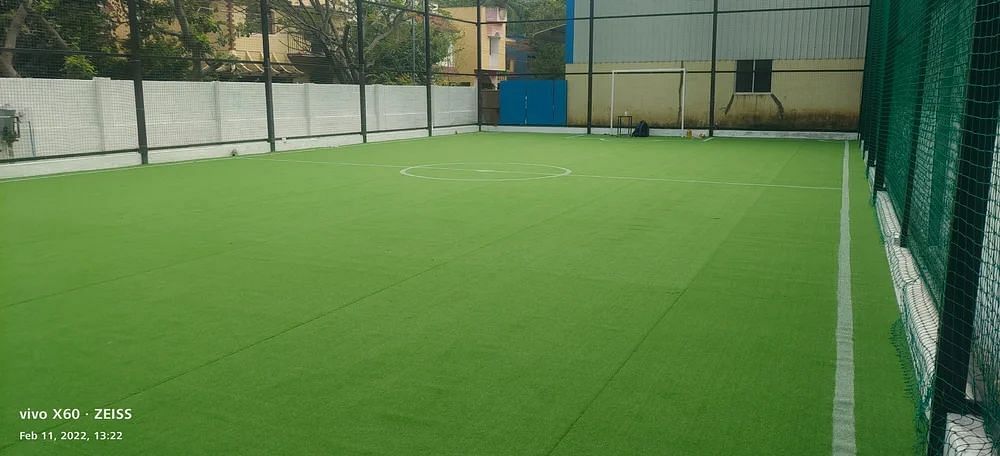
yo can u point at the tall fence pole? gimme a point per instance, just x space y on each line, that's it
265 32
427 67
359 6
590 72
918 108
715 42
887 101
479 64
876 20
135 60
975 166
863 110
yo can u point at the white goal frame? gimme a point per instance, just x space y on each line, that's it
683 73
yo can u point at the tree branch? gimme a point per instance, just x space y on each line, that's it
10 40
60 42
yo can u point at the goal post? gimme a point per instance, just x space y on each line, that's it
681 71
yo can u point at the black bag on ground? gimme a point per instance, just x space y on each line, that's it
641 130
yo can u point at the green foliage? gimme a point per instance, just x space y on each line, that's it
394 40
76 24
172 51
78 67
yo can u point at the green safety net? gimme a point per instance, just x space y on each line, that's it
929 125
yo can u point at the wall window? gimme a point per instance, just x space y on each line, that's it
753 76
494 45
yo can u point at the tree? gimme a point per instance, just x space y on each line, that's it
329 29
182 31
547 39
61 25
172 30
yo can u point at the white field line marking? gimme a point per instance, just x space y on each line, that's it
590 176
707 182
434 167
708 139
110 170
844 443
317 162
562 171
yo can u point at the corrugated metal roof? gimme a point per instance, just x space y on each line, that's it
804 34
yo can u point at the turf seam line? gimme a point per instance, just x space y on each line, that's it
644 337
618 370
844 438
332 311
251 345
121 277
250 243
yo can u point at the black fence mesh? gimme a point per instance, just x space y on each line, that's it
205 74
930 110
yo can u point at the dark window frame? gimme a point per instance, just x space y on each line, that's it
754 76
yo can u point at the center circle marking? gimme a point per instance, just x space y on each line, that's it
545 171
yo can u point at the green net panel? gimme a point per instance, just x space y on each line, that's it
929 124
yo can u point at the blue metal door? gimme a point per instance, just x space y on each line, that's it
533 102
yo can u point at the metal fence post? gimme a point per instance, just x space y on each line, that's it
427 67
887 85
479 64
590 72
975 169
715 42
135 59
265 29
362 71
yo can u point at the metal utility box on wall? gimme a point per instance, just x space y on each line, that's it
533 102
9 125
10 130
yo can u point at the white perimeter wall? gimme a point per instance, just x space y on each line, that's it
79 116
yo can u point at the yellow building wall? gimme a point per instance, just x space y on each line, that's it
814 100
466 45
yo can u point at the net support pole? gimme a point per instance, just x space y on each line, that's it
918 107
865 90
427 67
265 29
359 9
715 42
590 71
975 169
479 64
135 61
882 150
877 24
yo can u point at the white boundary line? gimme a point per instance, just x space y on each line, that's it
706 182
110 170
844 442
317 162
444 166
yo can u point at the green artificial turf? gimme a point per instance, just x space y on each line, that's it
320 302
884 411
